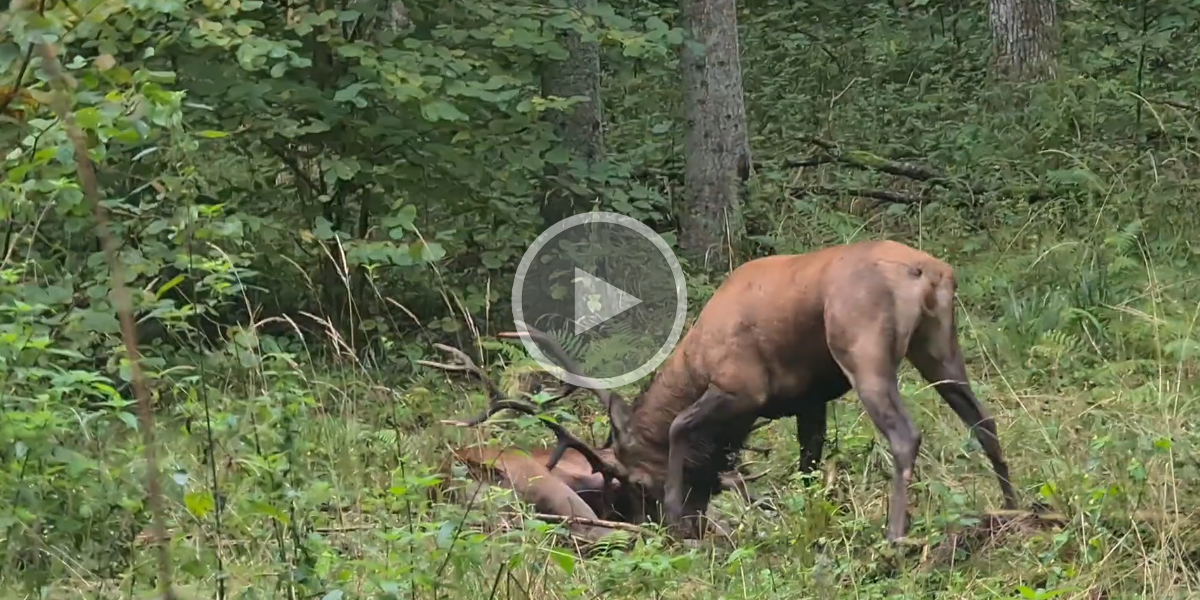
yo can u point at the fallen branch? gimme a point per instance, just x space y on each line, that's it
868 161
589 522
880 195
811 161
539 516
1176 104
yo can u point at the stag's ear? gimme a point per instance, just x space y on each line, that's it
619 418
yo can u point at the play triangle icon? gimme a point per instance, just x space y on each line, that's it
597 301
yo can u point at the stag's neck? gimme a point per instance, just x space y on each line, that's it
671 391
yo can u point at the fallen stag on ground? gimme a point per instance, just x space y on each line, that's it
565 483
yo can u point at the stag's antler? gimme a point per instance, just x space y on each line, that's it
498 401
614 405
560 355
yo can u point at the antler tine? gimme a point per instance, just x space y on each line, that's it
498 402
467 365
566 439
559 354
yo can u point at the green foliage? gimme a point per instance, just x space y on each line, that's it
307 194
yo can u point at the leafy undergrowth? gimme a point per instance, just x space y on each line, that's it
1066 208
324 477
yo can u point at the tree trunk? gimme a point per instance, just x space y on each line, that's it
581 129
718 149
1024 38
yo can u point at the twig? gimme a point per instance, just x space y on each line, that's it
1177 104
586 521
16 88
549 518
87 180
811 161
881 195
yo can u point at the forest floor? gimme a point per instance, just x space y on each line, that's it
324 474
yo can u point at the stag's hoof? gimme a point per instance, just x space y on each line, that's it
685 528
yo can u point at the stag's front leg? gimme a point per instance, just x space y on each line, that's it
686 504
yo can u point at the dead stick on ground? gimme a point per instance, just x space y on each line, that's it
87 180
866 160
591 522
539 516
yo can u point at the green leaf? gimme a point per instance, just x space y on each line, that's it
211 134
354 50
88 118
350 94
402 256
440 110
166 287
565 561
264 509
157 226
129 419
491 260
199 503
99 322
427 251
323 229
400 221
557 156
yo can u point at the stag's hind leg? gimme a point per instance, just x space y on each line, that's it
948 374
864 352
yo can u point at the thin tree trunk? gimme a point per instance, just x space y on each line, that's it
1024 38
581 129
717 146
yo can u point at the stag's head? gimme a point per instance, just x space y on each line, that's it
641 459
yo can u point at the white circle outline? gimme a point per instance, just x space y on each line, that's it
676 274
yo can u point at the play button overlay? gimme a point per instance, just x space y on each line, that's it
609 290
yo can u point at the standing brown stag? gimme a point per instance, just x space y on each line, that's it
783 336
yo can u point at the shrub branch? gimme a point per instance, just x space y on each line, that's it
87 180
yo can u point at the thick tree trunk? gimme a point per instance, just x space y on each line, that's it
718 149
1024 38
581 129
